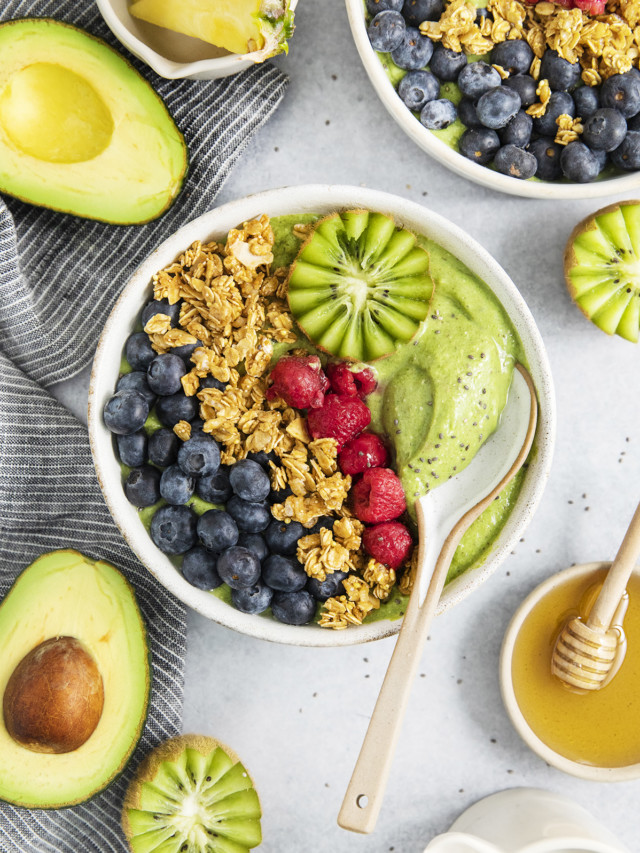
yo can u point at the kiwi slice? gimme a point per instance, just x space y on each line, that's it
360 285
191 795
602 268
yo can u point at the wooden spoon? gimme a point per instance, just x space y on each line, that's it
588 654
443 517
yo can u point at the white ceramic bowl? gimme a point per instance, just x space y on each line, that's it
555 759
215 225
453 160
170 54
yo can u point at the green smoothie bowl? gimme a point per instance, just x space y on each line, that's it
278 383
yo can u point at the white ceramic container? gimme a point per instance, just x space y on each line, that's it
455 161
216 224
170 54
575 768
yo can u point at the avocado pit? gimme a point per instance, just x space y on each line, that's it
54 697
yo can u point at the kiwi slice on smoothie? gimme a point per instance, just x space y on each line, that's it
602 268
360 285
191 794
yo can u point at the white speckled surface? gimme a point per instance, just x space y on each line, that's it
297 716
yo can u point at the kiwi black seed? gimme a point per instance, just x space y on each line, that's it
191 794
602 268
360 285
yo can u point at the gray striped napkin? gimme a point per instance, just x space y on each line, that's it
59 277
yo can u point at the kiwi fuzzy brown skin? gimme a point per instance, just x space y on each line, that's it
570 260
169 751
339 212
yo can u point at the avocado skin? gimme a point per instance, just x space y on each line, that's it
54 566
127 215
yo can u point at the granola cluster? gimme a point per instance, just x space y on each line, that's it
603 45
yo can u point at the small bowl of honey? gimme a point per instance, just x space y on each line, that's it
593 735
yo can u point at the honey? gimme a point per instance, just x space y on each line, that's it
601 727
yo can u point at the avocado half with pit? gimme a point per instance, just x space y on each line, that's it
74 680
80 130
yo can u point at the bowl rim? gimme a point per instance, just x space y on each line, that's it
453 160
317 198
555 759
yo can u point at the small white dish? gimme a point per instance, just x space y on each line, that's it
452 159
170 54
214 225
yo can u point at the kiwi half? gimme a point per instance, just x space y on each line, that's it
602 268
191 795
360 285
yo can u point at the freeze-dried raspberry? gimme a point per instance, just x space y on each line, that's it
366 450
388 543
299 381
340 417
378 496
354 383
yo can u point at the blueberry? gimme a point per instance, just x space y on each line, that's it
263 459
418 87
215 488
164 374
163 447
138 351
278 496
386 30
176 487
252 599
321 590
622 92
479 144
293 608
132 449
627 155
238 567
578 163
447 64
497 107
414 51
284 574
417 11
161 306
282 538
177 407
514 161
125 412
199 568
173 529
217 530
561 74
601 156
255 543
605 129
476 78
325 522
634 123
481 14
467 113
436 115
560 103
142 486
587 101
518 131
249 480
547 154
137 381
375 6
515 56
185 352
525 86
248 515
199 456
212 382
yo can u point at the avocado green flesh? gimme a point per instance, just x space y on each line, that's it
94 139
64 593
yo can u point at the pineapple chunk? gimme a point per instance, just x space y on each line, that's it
239 26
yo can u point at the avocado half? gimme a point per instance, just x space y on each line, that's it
65 594
81 131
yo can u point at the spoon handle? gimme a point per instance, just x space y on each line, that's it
617 577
